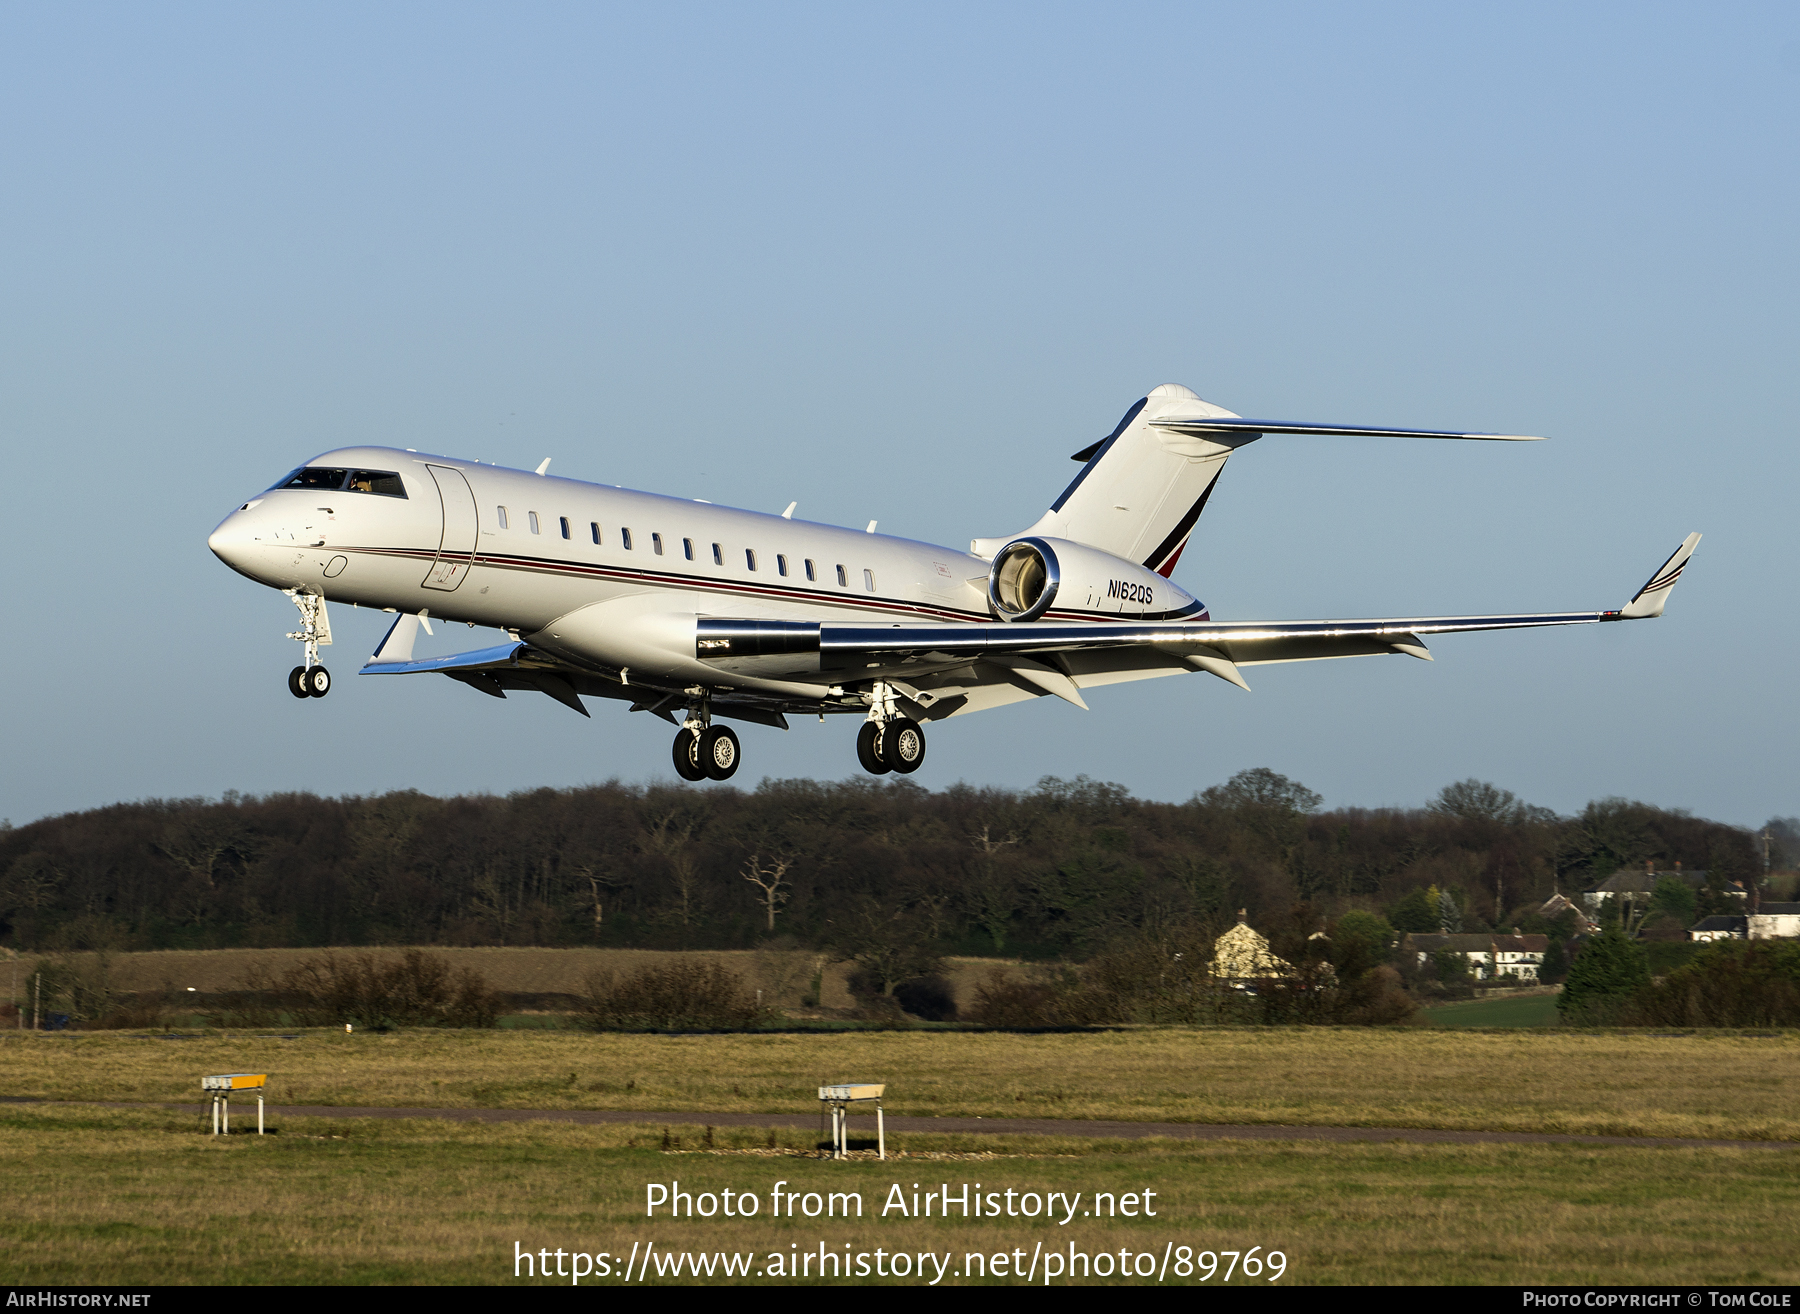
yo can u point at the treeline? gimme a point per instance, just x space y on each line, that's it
1068 870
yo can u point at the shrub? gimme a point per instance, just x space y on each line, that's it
929 997
418 989
684 996
1556 962
146 1012
1729 983
1455 978
1609 970
1003 1002
1368 932
1378 998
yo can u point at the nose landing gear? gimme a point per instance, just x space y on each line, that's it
310 680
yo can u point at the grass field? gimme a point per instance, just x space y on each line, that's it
111 1196
105 1197
1526 1011
1629 1084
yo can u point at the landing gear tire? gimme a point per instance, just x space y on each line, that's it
687 755
297 683
868 749
318 682
903 746
719 752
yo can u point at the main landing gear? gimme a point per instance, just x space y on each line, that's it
889 740
704 751
310 680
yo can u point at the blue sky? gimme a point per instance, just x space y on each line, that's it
898 262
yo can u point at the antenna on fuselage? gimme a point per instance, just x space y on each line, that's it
543 465
789 513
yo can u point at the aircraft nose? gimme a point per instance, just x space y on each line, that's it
234 539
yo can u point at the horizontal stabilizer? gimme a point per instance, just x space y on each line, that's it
1649 600
1237 425
500 655
1143 487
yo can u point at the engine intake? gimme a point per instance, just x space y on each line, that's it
1023 580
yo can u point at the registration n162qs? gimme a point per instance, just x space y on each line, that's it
702 614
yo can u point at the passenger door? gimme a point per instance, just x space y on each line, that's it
456 548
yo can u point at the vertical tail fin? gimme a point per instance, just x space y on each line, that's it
1141 489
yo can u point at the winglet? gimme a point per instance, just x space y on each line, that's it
1649 600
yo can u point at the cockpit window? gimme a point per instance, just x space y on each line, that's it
314 476
384 482
326 479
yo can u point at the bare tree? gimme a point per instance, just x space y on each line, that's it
770 880
597 882
991 897
670 839
197 843
887 941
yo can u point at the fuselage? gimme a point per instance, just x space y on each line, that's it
492 546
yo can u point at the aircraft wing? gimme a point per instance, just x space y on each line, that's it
951 664
945 670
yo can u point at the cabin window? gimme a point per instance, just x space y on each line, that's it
811 571
750 558
687 548
656 544
502 514
532 516
594 529
843 579
625 537
869 580
384 482
565 525
780 564
718 555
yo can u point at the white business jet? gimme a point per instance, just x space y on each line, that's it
698 613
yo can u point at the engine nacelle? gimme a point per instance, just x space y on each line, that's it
1036 577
